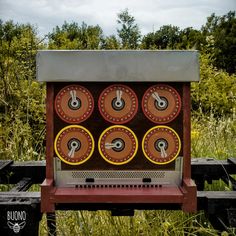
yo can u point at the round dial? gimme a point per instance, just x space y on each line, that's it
118 145
161 103
118 104
74 144
161 145
74 104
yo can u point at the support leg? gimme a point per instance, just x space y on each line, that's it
51 223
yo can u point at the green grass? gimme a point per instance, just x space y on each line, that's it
142 223
213 137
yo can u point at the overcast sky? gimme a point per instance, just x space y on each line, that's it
149 14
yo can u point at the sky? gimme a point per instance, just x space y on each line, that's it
150 15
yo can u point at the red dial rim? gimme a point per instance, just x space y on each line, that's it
170 97
126 113
78 114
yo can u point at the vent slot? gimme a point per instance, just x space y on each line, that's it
118 174
87 186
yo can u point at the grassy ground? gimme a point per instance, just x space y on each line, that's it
142 223
211 137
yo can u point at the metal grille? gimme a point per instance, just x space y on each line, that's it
84 186
118 174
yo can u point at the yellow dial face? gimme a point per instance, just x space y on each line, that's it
161 145
118 145
74 144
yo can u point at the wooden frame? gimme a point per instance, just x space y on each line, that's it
185 196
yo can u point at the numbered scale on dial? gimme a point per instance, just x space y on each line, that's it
118 104
161 145
74 104
74 145
118 145
161 104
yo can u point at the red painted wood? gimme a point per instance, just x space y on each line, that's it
118 195
186 131
185 195
47 185
46 190
190 200
49 130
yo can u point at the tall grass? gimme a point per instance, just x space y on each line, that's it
142 223
213 136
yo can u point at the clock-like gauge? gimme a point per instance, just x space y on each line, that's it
161 145
161 104
118 145
118 104
74 104
74 144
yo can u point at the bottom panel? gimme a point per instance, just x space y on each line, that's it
122 195
183 196
132 178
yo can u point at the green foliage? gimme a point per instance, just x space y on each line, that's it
163 223
110 42
21 98
73 36
167 37
217 38
191 39
212 136
222 32
216 91
129 32
171 37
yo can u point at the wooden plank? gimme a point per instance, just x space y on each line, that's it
222 195
28 169
22 185
118 195
20 195
232 160
4 164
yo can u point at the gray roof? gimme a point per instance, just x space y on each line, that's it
118 65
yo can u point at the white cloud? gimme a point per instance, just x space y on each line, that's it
149 14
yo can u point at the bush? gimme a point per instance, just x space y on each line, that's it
216 91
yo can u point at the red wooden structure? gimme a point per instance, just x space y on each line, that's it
118 127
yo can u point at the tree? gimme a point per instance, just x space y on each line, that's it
220 34
110 42
19 44
73 36
191 39
149 41
215 91
129 32
167 37
21 98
